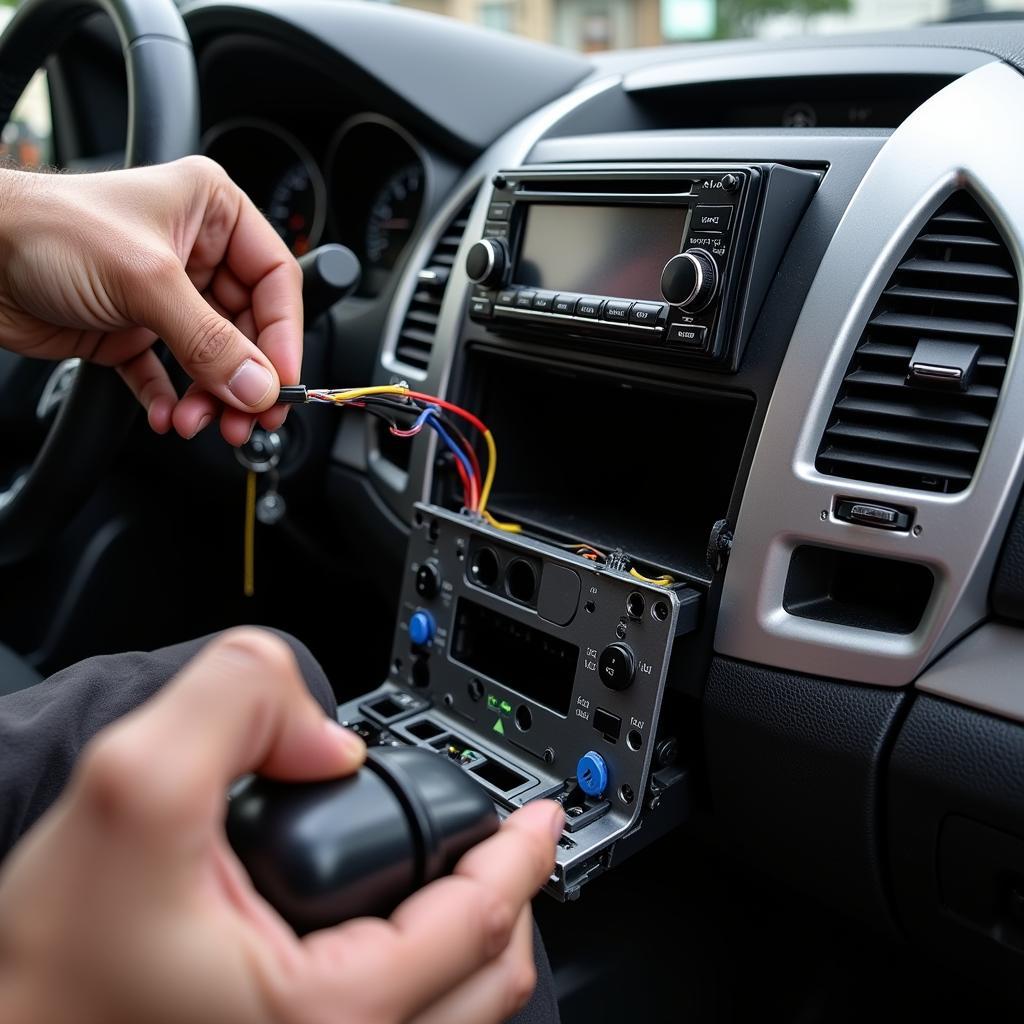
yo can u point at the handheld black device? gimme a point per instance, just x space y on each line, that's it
323 852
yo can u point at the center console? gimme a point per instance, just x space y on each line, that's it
600 337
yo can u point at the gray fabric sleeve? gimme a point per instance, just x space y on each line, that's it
43 728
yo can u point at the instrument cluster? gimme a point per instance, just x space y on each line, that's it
363 186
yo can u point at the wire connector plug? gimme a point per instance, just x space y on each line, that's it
293 394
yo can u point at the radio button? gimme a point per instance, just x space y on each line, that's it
507 297
524 300
481 307
690 335
498 211
589 306
617 310
565 304
711 219
648 314
616 667
543 301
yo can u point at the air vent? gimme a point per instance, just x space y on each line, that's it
416 338
957 284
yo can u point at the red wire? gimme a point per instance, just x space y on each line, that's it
470 418
475 463
467 489
457 409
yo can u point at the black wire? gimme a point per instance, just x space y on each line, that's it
452 428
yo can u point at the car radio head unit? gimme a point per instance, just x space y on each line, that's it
674 260
542 675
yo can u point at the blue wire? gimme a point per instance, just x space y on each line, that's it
424 416
432 420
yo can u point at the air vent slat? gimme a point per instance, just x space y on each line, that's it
899 292
958 218
877 409
972 241
941 325
925 469
423 337
880 379
873 435
422 316
886 350
950 268
419 327
957 284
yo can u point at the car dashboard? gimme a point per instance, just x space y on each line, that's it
743 320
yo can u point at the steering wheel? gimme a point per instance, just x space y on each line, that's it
163 124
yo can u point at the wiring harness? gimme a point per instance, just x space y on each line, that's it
407 413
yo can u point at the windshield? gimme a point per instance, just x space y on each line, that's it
594 25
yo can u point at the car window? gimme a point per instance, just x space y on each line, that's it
27 139
594 25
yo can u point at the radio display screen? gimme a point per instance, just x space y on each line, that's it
535 664
618 251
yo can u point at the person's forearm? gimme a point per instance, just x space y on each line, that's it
43 729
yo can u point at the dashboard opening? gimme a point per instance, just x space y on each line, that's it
610 460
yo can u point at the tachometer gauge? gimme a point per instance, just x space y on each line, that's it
277 173
393 215
296 207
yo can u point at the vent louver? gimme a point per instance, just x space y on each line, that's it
416 338
957 283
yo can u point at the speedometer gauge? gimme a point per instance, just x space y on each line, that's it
393 214
295 208
278 174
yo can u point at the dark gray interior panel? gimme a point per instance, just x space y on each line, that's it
956 824
795 771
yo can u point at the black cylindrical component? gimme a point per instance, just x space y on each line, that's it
486 262
330 273
323 852
690 279
616 667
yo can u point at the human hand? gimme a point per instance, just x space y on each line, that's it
124 903
100 265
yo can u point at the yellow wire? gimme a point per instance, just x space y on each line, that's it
507 527
661 581
354 394
492 468
249 570
380 389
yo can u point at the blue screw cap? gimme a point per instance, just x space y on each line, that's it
592 773
422 628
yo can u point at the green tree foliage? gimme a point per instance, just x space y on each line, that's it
741 17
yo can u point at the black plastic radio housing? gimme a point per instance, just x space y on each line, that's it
762 204
536 661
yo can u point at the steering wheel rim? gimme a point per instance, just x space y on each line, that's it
163 125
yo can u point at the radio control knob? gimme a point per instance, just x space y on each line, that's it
422 628
690 279
428 580
616 667
486 262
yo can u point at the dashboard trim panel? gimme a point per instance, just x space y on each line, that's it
962 137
